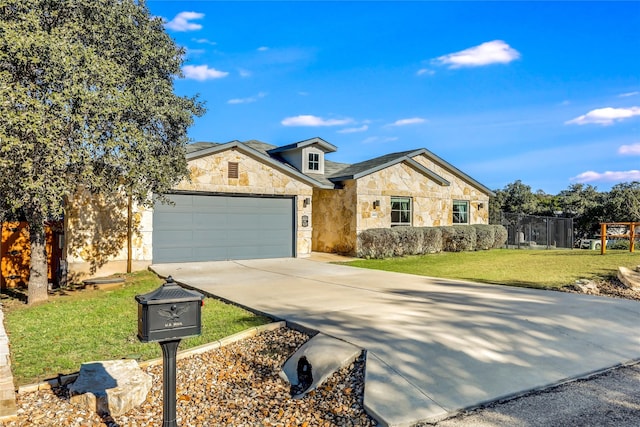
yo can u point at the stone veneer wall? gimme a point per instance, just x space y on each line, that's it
210 173
460 190
339 215
96 236
432 202
334 219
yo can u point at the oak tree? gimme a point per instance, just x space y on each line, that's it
87 102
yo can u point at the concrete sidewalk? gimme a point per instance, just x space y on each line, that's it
434 346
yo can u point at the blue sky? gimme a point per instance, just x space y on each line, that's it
543 92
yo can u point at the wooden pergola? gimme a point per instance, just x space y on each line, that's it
631 234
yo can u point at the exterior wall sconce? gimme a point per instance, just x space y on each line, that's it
480 206
306 202
376 204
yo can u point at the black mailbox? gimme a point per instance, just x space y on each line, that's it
169 313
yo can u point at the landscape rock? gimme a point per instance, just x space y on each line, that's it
322 355
110 387
587 286
629 277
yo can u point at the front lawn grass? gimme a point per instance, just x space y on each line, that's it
86 325
516 267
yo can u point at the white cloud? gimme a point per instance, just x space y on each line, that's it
605 116
425 72
625 95
629 150
405 122
202 72
244 73
493 52
182 22
195 52
204 41
609 176
247 100
379 139
263 49
313 121
354 130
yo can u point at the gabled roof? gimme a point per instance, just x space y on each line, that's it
255 149
368 167
319 142
334 172
453 169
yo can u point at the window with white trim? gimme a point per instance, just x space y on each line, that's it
400 211
314 161
460 212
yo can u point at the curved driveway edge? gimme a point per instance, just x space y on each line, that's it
434 346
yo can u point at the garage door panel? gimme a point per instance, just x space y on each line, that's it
273 221
209 228
173 238
210 220
168 254
204 238
209 202
178 220
274 236
241 220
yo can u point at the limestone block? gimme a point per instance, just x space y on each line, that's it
629 277
110 387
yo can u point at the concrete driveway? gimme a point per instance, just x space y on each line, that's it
434 346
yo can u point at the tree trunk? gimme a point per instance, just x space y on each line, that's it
38 281
129 232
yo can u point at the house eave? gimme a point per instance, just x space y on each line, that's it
319 142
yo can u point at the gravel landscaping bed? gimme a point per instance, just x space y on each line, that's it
610 287
236 385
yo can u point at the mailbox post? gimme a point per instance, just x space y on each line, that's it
166 315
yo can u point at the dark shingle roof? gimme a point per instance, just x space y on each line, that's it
197 146
357 169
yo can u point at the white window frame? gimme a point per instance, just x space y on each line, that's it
456 212
313 162
398 212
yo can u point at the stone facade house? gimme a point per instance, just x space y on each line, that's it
255 200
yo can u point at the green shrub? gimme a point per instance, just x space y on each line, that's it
485 236
432 240
409 241
621 244
501 236
377 243
458 238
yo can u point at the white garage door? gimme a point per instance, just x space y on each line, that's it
214 228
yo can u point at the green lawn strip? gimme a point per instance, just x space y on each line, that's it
56 337
531 268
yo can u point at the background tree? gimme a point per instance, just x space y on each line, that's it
515 197
546 204
585 205
623 203
87 102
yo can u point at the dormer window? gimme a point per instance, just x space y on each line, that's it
306 156
314 162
